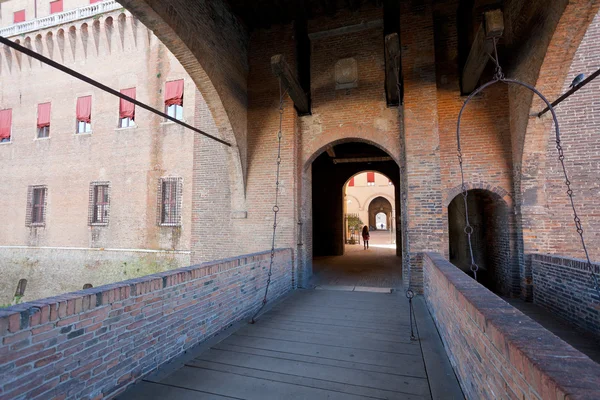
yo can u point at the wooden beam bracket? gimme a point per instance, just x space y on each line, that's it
491 29
393 67
282 70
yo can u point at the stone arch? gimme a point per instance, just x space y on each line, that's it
373 197
376 205
355 199
213 52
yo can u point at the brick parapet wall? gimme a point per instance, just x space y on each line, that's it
563 285
497 351
94 343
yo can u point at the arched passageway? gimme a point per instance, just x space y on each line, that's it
489 216
332 172
380 214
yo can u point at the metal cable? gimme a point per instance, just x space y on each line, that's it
103 87
276 206
499 77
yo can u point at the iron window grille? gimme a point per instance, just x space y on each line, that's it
170 192
36 205
99 203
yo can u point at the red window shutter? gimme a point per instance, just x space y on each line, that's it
84 109
370 177
43 115
351 183
5 123
19 16
127 108
56 6
174 93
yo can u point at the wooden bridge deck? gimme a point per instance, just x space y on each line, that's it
317 344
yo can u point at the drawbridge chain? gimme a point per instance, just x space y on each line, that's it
499 77
276 206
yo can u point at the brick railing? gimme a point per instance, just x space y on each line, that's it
497 351
564 286
93 343
60 18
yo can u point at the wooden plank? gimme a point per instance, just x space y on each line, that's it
332 353
442 379
392 69
361 383
344 30
282 70
482 46
150 390
339 342
246 387
358 324
411 367
323 330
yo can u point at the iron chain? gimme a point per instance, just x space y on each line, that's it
499 77
276 206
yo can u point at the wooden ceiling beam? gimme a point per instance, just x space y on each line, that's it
392 70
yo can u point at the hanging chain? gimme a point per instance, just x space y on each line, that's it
276 206
578 226
411 313
499 77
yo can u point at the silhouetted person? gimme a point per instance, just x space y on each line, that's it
366 237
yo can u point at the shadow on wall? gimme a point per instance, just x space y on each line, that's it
489 216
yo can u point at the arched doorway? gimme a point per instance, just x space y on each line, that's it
489 215
380 213
330 173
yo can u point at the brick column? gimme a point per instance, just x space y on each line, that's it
423 222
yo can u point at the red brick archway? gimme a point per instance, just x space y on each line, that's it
530 183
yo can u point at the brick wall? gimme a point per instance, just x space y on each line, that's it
96 342
579 124
496 351
564 286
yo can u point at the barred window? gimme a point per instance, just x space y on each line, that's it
169 201
36 205
99 203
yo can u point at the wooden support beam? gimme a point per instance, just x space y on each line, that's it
330 151
392 70
361 160
482 46
282 70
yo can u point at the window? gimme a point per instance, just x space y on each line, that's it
94 1
169 201
56 6
43 121
174 99
84 114
36 205
351 183
19 16
127 109
370 178
5 125
99 203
